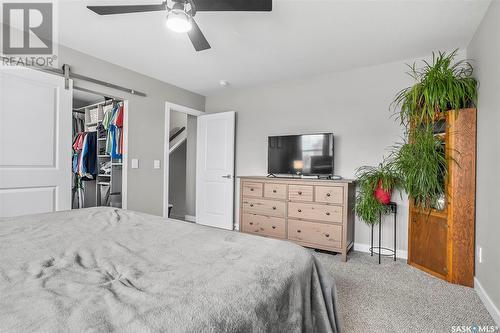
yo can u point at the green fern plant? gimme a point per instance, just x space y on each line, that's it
422 164
440 86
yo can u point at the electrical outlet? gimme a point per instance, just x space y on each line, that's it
480 254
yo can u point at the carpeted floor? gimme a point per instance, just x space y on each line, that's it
395 297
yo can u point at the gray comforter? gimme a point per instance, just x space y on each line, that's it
104 269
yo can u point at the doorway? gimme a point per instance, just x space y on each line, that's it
180 184
199 166
98 162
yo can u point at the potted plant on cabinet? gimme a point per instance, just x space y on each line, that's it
441 86
375 186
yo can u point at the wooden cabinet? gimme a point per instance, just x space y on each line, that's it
441 242
313 213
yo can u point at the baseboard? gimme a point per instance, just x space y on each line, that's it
190 218
401 254
488 303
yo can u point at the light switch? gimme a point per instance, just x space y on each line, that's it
156 164
135 163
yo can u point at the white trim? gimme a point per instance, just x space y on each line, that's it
488 303
190 218
125 157
401 254
183 109
166 145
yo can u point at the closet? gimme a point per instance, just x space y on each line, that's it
98 150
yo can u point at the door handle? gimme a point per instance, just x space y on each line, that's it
229 177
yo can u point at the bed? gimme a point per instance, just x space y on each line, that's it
106 269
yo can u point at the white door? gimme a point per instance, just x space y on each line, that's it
35 142
215 170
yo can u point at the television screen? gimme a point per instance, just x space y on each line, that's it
308 154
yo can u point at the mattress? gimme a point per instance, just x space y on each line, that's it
107 269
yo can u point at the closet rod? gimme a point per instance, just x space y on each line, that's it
98 103
70 75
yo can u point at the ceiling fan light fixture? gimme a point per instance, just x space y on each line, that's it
179 21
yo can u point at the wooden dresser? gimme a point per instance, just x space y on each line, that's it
313 213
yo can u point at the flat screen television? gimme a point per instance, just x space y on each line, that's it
306 154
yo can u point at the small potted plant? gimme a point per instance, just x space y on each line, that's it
375 186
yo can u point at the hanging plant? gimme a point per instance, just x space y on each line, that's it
422 164
440 86
375 186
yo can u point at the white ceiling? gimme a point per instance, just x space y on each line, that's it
297 39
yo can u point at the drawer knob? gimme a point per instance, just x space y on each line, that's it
299 192
251 205
274 191
274 227
298 231
251 189
274 207
327 235
328 194
327 213
251 223
299 210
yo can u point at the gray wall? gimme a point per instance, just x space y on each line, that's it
354 105
485 51
177 182
146 122
191 166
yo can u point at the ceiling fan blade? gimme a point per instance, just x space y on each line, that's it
109 10
234 5
199 41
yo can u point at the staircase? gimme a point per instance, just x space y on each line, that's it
178 136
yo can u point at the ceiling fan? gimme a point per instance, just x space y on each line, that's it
180 13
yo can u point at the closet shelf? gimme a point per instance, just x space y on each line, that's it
103 183
103 175
104 156
101 139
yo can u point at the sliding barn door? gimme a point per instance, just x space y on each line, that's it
35 142
215 170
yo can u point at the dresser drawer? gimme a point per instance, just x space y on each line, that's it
263 225
264 207
251 189
300 192
329 194
312 211
275 191
315 233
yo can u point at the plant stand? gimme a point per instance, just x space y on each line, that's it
390 252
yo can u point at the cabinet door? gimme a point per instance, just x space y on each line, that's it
428 242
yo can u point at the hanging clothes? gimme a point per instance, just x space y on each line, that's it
113 123
85 155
